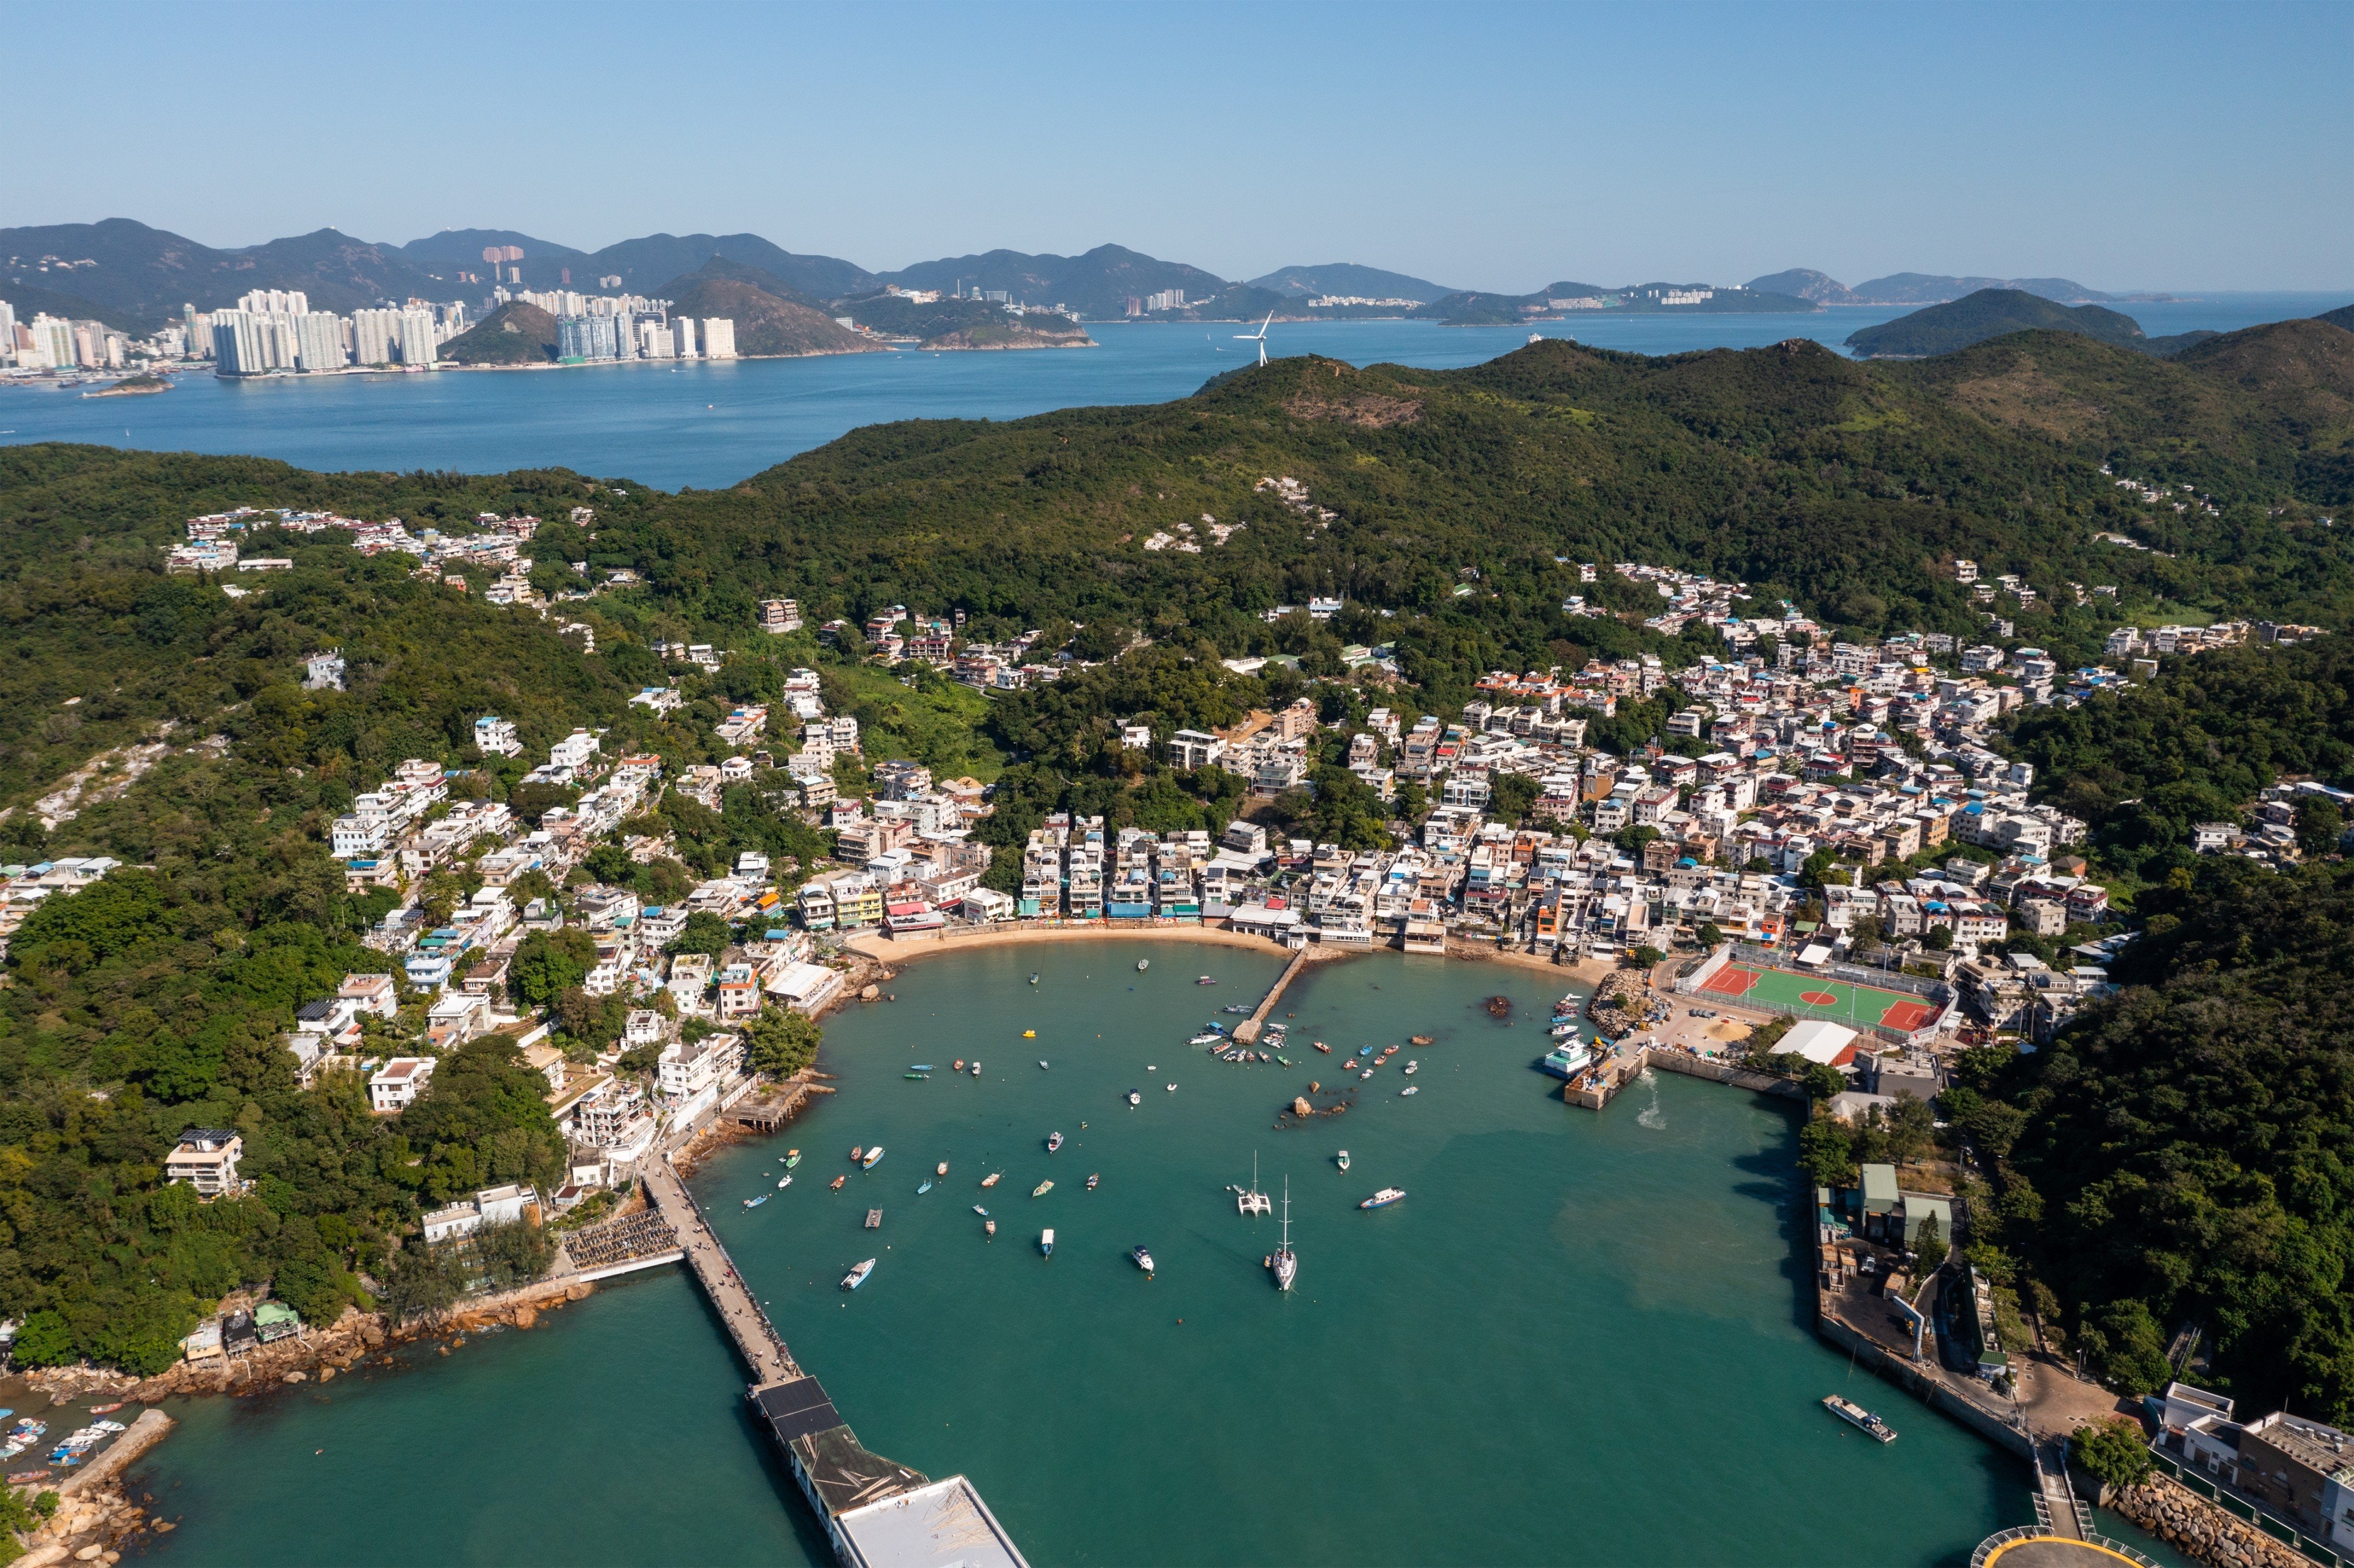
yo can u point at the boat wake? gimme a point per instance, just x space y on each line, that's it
1651 1116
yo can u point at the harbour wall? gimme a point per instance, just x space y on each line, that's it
1987 1424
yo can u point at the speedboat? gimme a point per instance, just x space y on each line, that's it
1342 1159
1142 965
1134 1098
976 1066
925 1187
1413 1068
1046 1241
1141 1258
1172 1088
1033 977
792 1157
982 1212
1204 979
1054 1141
873 1155
857 1276
1384 1198
756 1202
1207 1037
1041 1189
992 1179
784 1180
1856 1416
1041 1062
1410 1090
1094 1178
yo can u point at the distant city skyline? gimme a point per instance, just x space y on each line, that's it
2164 147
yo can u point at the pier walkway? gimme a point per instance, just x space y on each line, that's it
1247 1030
877 1513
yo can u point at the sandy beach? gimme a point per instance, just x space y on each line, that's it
895 950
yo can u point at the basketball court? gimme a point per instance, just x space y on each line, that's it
1820 997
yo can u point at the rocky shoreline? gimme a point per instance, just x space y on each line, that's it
2190 1523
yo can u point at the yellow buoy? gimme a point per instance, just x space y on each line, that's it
1029 1035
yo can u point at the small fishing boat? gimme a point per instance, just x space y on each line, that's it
1322 1046
1410 1090
857 1152
1342 1159
1384 1198
784 1180
1094 1178
976 1066
989 1229
792 1157
1857 1416
873 1155
1365 1051
1041 1189
1366 1074
992 1179
941 1168
1172 1088
1141 1258
920 1076
925 1187
22 1476
959 1065
1046 1241
1142 965
919 1066
1412 1068
873 1219
982 1212
1042 1064
857 1276
1054 1141
1204 979
1033 977
1135 1098
1417 1039
756 1202
838 1181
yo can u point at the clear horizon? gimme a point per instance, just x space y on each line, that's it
2183 148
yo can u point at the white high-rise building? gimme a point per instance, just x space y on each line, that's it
718 338
7 333
417 341
318 341
197 326
53 345
275 303
237 343
655 341
683 331
373 334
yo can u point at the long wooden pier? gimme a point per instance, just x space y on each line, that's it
876 1512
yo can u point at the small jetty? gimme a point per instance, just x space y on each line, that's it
877 1513
1247 1032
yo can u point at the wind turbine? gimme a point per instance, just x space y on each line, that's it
1259 337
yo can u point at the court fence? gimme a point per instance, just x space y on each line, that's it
1936 994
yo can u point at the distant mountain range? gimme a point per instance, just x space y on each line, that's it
1992 312
1469 309
1919 288
135 277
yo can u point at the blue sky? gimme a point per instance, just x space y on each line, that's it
1504 146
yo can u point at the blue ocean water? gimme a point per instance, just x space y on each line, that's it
710 425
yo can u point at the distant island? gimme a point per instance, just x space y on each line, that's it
1562 301
1992 312
1931 288
140 386
937 323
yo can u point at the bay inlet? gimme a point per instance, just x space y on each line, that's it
1579 1338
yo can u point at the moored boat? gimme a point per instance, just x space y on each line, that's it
982 1212
838 1181
1046 1241
1285 1262
1417 1039
1410 1090
1342 1159
1092 1179
873 1219
941 1168
784 1180
756 1202
873 1155
922 1075
857 1152
1135 1098
1857 1416
992 1179
926 1187
1205 980
976 1066
1413 1068
1142 965
1054 1141
1141 1258
1384 1198
1041 1189
959 1067
857 1276
989 1229
792 1157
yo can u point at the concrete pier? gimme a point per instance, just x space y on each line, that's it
1247 1030
877 1513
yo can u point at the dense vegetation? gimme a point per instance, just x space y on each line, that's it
515 334
1460 505
2183 1155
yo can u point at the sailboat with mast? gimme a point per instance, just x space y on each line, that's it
1285 1262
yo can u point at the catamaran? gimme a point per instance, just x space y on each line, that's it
1250 1200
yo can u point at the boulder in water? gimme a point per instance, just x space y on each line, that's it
1299 1106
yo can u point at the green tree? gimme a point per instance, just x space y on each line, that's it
1929 1245
2128 1348
2320 824
549 963
704 932
1821 1081
781 1042
1827 1153
2111 1450
1510 796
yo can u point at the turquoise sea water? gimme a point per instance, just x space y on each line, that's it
710 425
1580 1339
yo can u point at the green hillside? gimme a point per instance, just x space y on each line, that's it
766 325
1990 312
515 334
147 274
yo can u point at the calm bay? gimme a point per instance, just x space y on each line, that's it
1581 1338
713 424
